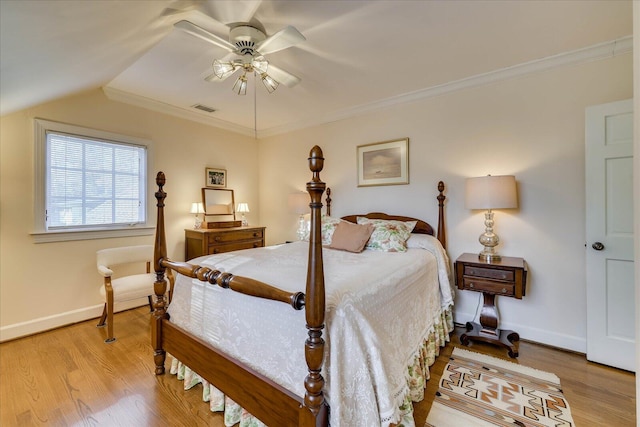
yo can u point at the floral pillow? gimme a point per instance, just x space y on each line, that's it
327 228
388 235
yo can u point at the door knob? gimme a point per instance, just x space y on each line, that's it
598 246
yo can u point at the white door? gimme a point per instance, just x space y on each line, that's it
609 220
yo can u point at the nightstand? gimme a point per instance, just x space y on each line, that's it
506 277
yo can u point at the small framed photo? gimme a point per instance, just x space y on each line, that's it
383 163
216 178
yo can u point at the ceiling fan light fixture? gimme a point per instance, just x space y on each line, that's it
260 64
269 82
240 86
223 69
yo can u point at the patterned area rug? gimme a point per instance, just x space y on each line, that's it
479 390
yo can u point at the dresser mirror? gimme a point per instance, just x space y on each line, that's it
219 203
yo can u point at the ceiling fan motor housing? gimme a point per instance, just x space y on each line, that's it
245 37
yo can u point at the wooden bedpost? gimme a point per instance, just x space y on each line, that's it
442 235
328 199
160 285
316 408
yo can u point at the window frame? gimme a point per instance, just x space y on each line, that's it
40 233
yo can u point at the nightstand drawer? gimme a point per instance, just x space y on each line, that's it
489 273
489 287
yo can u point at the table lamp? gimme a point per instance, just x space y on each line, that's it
490 192
243 208
197 208
299 204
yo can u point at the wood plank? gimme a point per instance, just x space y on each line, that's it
116 382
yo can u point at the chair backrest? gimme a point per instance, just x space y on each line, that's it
124 255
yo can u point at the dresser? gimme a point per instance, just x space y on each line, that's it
506 277
203 241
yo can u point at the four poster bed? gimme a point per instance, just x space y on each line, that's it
386 312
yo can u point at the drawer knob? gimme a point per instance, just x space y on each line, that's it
255 234
256 245
504 290
215 251
217 238
503 276
471 285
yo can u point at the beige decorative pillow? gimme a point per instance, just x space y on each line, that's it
351 237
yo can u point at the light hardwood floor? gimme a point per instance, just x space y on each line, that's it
70 377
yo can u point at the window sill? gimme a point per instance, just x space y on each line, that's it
65 236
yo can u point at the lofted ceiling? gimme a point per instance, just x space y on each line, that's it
357 54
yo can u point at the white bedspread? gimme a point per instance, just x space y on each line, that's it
380 308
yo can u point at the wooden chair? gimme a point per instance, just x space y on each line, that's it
125 288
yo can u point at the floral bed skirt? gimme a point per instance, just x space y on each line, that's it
417 376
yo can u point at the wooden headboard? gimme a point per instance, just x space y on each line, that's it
421 226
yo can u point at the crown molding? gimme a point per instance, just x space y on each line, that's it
609 49
595 52
161 107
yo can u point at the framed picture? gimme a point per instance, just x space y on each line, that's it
383 163
216 178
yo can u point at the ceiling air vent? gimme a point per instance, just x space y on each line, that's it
204 108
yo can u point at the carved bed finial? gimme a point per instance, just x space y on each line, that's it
316 162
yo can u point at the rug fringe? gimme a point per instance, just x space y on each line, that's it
526 370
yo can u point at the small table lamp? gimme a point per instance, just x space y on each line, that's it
299 204
197 208
490 192
243 208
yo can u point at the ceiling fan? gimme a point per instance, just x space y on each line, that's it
249 41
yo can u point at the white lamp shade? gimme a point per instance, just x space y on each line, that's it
196 208
243 208
491 192
299 202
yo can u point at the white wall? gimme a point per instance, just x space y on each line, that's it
51 284
532 127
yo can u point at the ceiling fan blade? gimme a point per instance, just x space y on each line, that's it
205 35
228 12
286 37
283 77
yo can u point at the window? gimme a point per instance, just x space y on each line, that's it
89 183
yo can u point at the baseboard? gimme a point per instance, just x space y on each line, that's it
542 336
42 324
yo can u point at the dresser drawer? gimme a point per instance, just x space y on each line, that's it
234 236
489 287
209 241
234 246
489 273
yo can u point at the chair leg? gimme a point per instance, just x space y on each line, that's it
101 322
110 337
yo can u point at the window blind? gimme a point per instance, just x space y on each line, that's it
93 183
